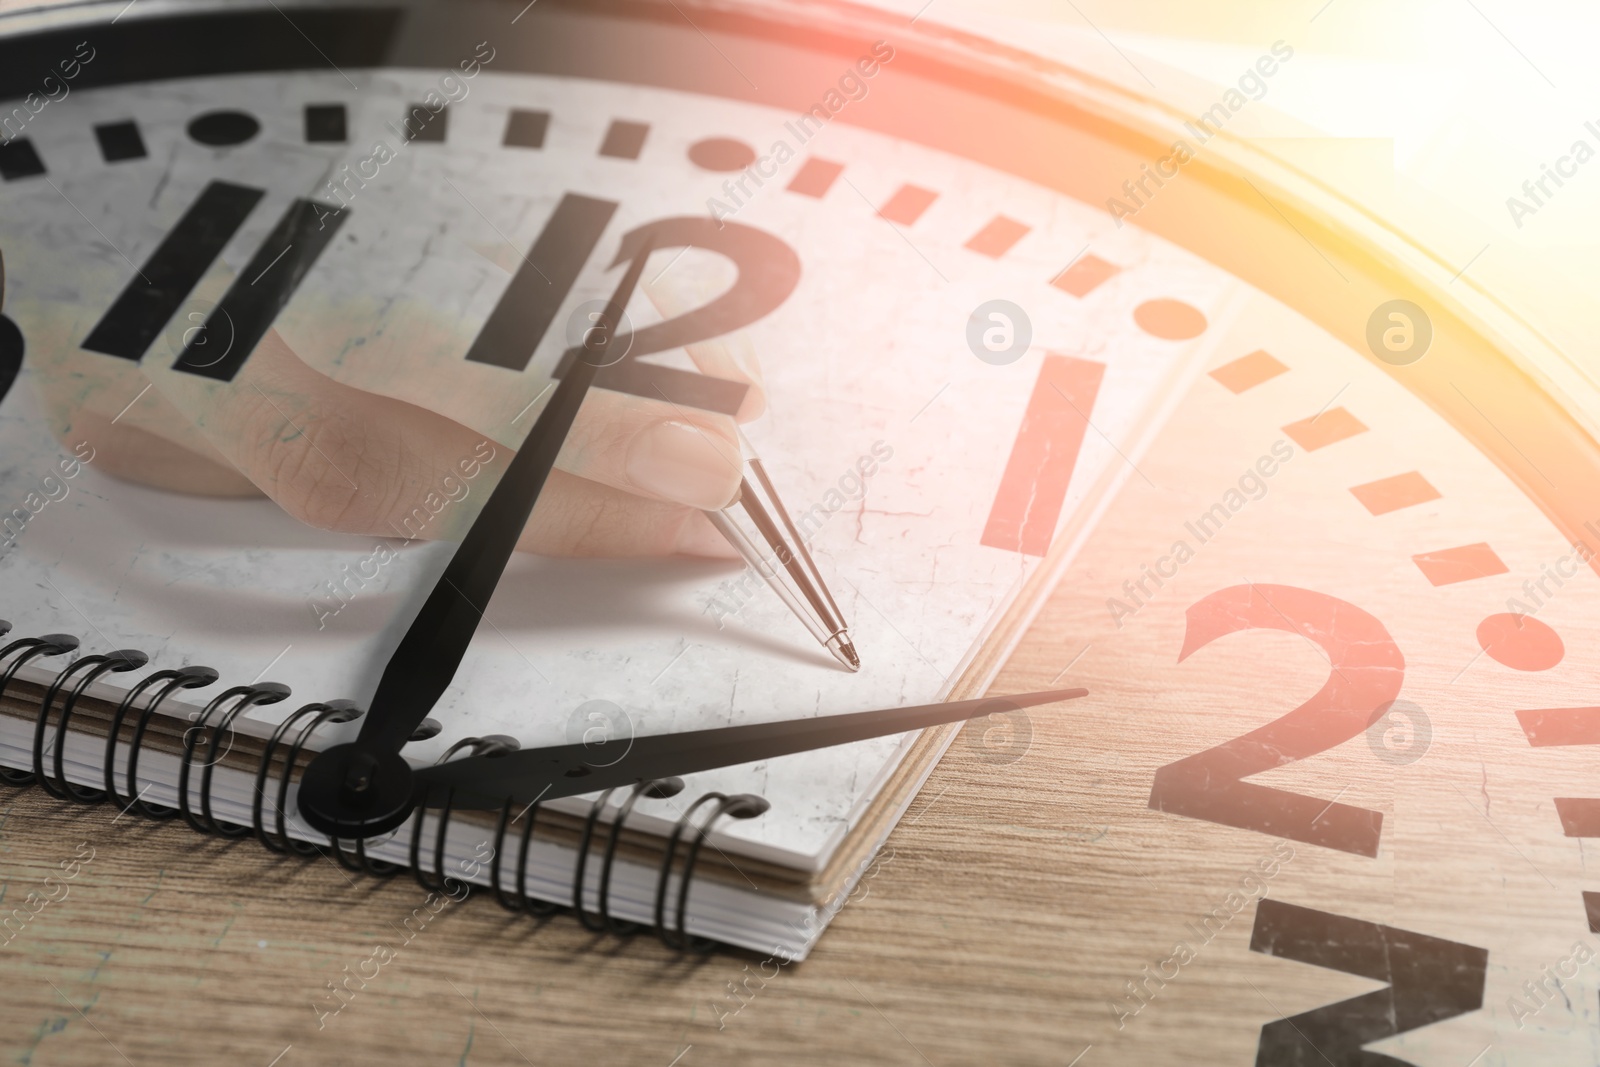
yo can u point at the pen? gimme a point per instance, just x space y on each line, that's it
756 523
759 527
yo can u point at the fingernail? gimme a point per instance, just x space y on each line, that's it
681 463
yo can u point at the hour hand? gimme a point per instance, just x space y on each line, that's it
558 771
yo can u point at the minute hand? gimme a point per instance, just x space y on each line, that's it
568 770
426 660
365 787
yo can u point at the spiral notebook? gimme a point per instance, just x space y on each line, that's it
939 520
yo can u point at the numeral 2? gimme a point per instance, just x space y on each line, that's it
1366 673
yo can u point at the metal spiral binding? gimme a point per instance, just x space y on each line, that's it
738 806
243 696
155 689
31 648
660 789
492 745
165 682
522 900
335 711
88 668
186 678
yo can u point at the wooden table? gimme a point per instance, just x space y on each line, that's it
1017 901
173 948
178 949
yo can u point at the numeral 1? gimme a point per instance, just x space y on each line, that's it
540 286
1028 504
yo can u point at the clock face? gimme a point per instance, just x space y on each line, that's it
952 375
1341 669
1323 555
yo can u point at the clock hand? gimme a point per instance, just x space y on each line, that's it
364 788
568 770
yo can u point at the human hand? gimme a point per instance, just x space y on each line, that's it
631 480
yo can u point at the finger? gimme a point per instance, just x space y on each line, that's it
135 454
107 403
343 459
731 356
577 517
136 434
660 450
332 456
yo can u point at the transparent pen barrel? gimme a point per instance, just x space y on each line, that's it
759 526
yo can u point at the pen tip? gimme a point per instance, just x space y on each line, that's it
839 644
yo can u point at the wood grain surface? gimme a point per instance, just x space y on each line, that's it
1030 884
